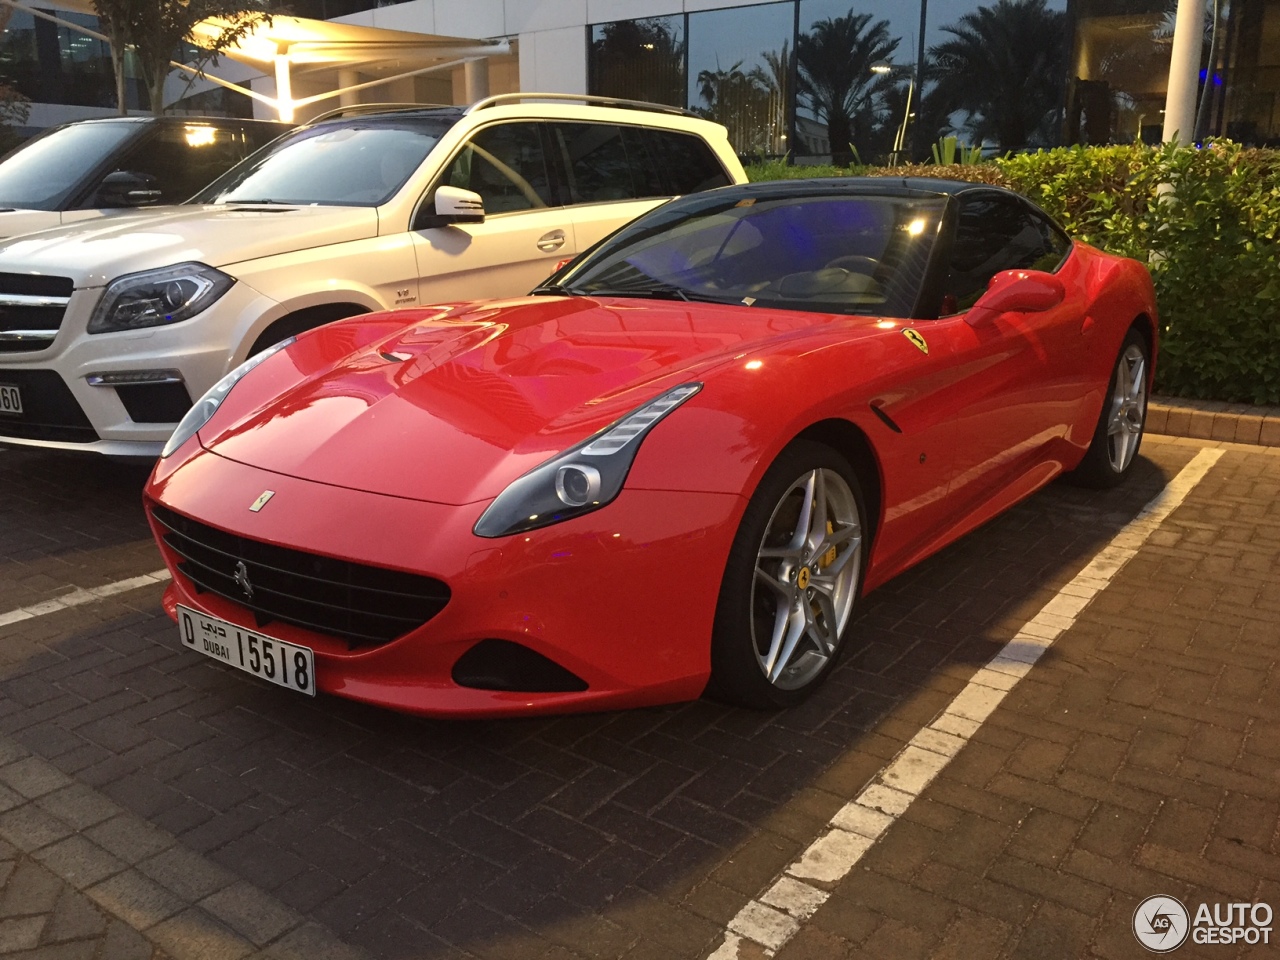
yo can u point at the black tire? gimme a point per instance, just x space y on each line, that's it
750 614
1118 436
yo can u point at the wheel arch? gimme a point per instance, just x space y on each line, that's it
848 439
1145 324
302 319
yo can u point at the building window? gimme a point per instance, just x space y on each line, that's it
638 60
740 73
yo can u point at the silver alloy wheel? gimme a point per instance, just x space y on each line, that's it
806 578
1128 408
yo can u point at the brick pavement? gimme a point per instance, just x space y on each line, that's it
43 917
636 834
1138 758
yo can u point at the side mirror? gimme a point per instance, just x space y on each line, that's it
452 205
124 188
1017 291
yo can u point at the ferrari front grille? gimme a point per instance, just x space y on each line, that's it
364 605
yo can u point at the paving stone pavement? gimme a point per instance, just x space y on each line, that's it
43 917
1138 758
224 819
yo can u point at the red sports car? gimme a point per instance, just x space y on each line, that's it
673 468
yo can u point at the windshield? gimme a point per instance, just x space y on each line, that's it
355 164
44 173
828 253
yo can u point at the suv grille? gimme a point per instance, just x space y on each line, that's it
31 310
361 604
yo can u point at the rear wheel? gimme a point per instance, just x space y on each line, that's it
1118 435
791 582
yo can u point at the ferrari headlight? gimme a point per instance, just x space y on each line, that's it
583 478
156 297
207 405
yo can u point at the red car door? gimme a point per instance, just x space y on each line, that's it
1020 374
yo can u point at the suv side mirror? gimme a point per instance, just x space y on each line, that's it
124 188
1017 291
452 205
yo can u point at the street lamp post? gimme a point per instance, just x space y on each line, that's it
899 141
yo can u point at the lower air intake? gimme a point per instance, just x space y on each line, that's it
504 665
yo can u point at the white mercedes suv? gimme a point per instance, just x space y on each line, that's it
110 329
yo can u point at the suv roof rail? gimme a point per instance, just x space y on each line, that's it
358 109
595 101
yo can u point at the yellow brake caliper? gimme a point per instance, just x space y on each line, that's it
828 558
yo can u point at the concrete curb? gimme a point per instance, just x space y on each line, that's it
1214 420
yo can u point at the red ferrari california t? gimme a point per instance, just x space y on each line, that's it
673 468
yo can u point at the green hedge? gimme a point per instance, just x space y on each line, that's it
1212 243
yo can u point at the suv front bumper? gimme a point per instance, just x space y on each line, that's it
72 390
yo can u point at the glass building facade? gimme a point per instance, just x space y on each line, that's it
796 76
48 62
822 79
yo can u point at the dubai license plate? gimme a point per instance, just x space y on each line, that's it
10 399
284 664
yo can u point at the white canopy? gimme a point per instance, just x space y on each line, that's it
316 46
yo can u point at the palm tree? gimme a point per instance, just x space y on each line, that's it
836 80
1006 66
774 76
640 59
742 102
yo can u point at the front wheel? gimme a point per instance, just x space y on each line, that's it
1118 435
792 580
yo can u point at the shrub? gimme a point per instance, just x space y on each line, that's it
1211 240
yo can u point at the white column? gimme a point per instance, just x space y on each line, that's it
1184 72
348 78
475 76
284 87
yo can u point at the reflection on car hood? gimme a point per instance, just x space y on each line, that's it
457 404
15 222
95 252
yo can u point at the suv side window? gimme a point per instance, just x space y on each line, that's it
605 162
184 159
690 163
995 233
505 164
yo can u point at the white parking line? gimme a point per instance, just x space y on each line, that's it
80 596
777 914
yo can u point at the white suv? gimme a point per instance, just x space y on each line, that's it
109 330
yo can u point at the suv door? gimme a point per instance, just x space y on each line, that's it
525 232
612 173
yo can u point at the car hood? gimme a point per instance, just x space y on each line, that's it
453 406
95 252
15 222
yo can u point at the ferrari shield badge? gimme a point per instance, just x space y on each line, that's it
917 338
261 502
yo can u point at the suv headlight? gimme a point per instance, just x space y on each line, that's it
583 478
207 406
156 297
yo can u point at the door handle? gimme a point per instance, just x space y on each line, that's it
550 242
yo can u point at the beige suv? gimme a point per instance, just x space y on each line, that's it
109 330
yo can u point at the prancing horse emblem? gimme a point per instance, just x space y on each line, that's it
261 502
242 579
917 338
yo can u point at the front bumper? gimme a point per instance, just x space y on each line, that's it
623 598
199 351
